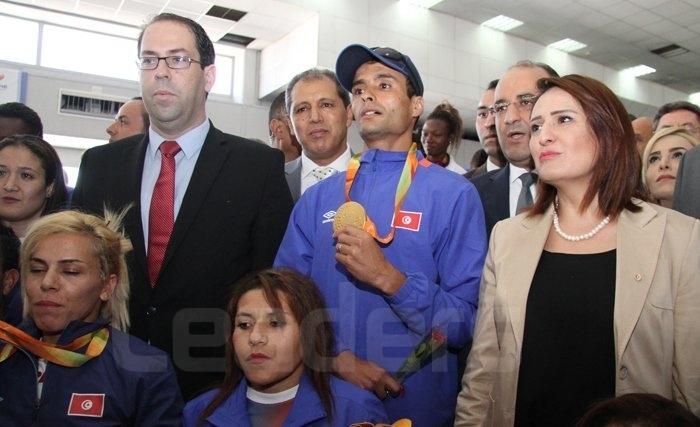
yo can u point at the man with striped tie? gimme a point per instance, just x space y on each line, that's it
319 111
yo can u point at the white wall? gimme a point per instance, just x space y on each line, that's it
42 95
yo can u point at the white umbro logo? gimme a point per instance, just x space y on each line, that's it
328 217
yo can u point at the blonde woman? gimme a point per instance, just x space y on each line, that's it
660 161
70 362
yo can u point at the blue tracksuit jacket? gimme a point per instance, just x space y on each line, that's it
442 255
352 405
137 382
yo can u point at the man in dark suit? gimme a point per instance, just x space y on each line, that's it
320 114
508 190
485 125
208 207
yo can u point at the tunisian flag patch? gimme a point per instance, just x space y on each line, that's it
86 405
408 220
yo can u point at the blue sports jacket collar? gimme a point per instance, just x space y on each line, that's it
307 407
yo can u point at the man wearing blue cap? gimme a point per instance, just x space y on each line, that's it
395 244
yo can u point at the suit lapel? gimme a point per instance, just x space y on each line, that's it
500 200
212 157
520 265
292 171
134 158
639 237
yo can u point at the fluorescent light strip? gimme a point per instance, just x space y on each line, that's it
422 3
639 70
694 98
567 45
502 23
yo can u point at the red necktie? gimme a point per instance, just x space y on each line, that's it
161 215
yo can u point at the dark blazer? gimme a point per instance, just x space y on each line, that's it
686 196
231 221
292 172
473 173
493 188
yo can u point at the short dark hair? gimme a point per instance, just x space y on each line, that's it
315 74
638 410
9 258
30 119
526 63
492 85
9 249
205 47
277 108
144 114
53 170
675 106
617 167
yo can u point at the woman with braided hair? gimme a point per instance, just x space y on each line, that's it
442 132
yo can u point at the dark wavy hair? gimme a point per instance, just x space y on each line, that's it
53 169
316 333
638 410
617 167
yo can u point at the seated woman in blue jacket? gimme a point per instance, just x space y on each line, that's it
278 364
69 363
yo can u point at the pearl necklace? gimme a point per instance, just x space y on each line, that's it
585 236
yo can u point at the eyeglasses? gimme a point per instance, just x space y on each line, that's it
484 112
524 103
176 62
388 52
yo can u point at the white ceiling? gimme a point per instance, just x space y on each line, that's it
619 33
266 20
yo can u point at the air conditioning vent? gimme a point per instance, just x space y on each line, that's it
90 105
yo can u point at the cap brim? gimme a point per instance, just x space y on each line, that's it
349 60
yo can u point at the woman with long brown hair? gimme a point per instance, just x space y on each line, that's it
593 293
278 362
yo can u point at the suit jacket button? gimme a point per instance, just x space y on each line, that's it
637 277
151 310
623 373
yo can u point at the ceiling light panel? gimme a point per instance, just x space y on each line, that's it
502 23
639 70
422 3
567 45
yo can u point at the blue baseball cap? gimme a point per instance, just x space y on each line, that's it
353 56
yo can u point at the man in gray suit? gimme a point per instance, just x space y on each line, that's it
686 196
320 114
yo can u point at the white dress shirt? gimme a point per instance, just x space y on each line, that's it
307 167
491 166
191 145
515 185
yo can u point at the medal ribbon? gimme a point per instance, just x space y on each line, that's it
63 355
409 171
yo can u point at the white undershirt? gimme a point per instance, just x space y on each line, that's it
515 186
271 398
307 167
491 166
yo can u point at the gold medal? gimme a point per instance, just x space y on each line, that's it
349 214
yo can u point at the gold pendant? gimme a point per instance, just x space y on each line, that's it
349 214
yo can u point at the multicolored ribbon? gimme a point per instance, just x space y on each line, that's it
63 355
409 171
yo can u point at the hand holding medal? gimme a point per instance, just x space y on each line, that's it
356 235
